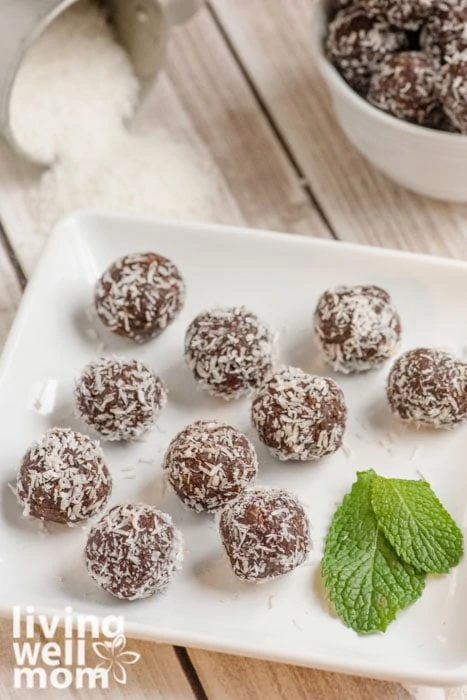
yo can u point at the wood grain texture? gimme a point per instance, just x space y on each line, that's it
10 294
225 114
235 678
16 178
273 43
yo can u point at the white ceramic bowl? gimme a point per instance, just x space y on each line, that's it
429 162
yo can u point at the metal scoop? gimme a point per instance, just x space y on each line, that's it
142 26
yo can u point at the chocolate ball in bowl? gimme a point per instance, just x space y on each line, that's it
357 43
229 350
209 464
405 14
428 387
444 33
265 533
139 295
134 551
63 478
406 85
120 399
453 91
299 416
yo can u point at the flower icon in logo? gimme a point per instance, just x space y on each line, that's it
115 658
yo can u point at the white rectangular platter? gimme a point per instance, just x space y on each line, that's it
280 278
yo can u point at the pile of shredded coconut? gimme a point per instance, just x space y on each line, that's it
71 105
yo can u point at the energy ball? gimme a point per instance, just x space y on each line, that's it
444 33
428 387
453 91
357 43
405 14
265 533
63 478
356 328
138 296
119 399
210 463
406 86
299 416
229 350
134 551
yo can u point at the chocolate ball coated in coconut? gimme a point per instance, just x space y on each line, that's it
406 85
265 533
357 43
120 399
210 463
134 551
428 387
299 416
63 478
444 33
229 350
138 296
356 328
405 14
453 92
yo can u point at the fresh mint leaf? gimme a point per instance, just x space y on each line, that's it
416 524
365 580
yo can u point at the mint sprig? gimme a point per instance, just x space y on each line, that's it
366 582
416 524
383 540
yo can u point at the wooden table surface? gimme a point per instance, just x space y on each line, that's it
240 82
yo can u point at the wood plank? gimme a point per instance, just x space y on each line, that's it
233 678
225 114
361 205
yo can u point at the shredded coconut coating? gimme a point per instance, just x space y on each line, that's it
120 399
405 14
63 478
356 328
357 43
406 85
300 416
139 295
134 551
265 533
428 387
444 34
454 90
210 463
229 350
